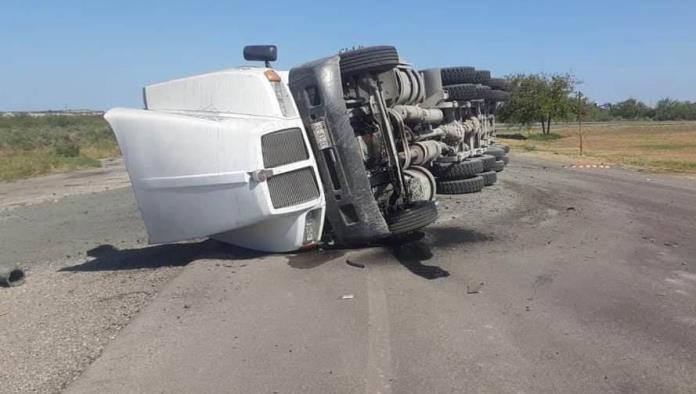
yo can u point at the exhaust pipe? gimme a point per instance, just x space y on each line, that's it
11 275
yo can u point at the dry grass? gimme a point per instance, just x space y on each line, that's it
665 147
36 146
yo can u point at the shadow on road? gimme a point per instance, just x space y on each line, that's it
314 258
411 255
410 250
110 258
447 236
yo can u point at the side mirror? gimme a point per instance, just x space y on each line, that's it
264 53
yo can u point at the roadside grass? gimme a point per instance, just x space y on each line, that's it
662 147
36 146
544 137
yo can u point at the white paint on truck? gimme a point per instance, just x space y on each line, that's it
191 154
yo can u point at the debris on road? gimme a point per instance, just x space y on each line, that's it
11 275
347 297
474 287
354 264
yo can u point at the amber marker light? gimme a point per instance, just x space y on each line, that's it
272 76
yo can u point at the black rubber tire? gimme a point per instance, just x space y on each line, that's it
458 75
506 160
461 170
371 59
489 177
455 75
497 152
467 91
418 215
483 76
499 83
496 95
506 148
488 162
460 186
499 166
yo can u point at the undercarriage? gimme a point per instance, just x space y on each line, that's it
388 138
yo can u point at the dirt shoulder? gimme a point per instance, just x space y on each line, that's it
111 175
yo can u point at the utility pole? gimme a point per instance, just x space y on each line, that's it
580 110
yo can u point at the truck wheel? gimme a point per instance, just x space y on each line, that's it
489 177
497 95
497 152
483 76
460 186
420 183
418 215
455 75
371 59
488 162
499 83
460 170
499 166
466 91
506 148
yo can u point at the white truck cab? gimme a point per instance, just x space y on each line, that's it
224 155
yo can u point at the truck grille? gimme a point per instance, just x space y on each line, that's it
292 188
283 147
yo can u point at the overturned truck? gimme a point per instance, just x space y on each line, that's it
349 149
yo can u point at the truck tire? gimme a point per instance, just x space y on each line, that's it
466 91
463 169
499 166
455 75
418 215
483 76
506 148
373 59
499 83
460 186
488 162
489 177
497 152
496 95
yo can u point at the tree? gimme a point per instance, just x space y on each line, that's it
631 109
539 98
668 109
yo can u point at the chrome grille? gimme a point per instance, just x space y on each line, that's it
292 188
283 147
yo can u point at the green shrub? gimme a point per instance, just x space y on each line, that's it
544 137
66 147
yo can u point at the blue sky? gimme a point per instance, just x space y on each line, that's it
98 54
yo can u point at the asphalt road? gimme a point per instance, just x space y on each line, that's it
554 280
